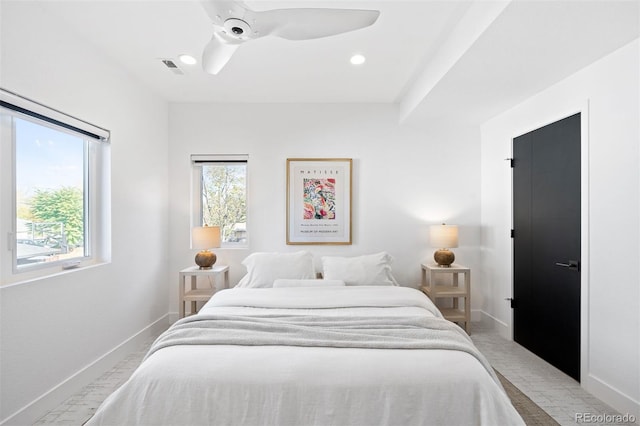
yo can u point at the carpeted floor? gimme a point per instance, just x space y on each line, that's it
531 413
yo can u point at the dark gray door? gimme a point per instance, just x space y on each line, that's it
546 209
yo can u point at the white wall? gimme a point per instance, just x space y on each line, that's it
611 308
404 179
53 328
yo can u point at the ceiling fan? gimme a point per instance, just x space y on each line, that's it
235 24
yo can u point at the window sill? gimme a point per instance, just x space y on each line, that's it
30 277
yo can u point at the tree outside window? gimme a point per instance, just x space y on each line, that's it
224 199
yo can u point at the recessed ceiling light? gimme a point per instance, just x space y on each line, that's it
187 59
357 59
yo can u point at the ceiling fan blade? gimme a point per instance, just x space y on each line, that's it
305 24
217 53
235 24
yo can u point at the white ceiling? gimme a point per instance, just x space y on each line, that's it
530 45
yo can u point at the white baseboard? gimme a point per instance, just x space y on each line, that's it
502 327
622 403
31 412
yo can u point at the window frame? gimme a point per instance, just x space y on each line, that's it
199 160
96 196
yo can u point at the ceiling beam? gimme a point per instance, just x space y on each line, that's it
480 15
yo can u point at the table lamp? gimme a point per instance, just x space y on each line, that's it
203 238
444 237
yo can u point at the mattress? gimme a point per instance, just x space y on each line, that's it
273 376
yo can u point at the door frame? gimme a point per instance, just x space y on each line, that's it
583 109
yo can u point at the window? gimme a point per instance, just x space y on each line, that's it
53 172
50 171
220 196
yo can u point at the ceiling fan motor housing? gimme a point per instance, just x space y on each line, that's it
237 28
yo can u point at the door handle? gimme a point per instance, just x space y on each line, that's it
572 264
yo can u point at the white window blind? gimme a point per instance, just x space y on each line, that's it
35 109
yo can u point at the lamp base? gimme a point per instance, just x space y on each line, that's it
444 257
205 259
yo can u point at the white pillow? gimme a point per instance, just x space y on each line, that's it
373 269
264 268
286 282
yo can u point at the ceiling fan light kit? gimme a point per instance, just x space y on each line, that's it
237 28
234 23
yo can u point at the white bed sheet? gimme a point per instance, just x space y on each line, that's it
284 385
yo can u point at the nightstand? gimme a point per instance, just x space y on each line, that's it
453 291
195 294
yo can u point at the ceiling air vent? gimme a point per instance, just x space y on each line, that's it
172 66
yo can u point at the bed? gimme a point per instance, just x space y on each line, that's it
312 355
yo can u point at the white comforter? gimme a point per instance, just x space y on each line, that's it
299 385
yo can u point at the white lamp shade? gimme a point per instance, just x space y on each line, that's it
443 236
205 237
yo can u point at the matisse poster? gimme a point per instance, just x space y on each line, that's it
319 200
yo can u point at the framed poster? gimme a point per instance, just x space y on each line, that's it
319 200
